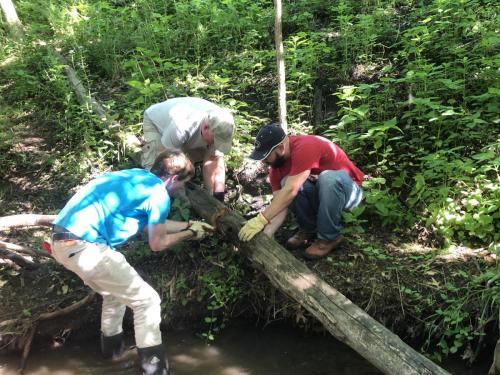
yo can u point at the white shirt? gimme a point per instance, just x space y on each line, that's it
179 120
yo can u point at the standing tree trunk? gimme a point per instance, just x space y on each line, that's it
280 62
15 26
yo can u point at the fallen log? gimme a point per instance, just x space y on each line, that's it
343 319
82 95
84 98
25 220
9 250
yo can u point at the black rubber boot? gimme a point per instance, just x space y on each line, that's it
112 346
153 360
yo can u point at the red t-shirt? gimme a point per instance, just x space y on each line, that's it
317 154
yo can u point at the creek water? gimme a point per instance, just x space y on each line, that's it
240 350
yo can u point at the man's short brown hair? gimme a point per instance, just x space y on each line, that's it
173 162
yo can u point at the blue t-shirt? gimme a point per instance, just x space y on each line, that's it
116 206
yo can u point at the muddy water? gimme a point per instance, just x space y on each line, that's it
238 351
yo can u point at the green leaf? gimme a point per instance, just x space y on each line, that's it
387 125
453 85
135 84
485 219
449 112
483 156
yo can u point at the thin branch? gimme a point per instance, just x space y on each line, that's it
42 317
24 250
68 309
27 348
18 259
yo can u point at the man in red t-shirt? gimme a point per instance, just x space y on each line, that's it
316 178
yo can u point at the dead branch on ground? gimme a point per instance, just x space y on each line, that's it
26 220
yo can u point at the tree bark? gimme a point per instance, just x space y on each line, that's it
280 62
343 319
14 24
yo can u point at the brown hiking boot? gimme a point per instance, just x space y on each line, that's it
321 248
300 238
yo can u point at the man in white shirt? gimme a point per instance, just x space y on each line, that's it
201 129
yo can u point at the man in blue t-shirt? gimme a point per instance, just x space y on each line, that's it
106 213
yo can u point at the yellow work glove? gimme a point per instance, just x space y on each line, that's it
252 227
200 229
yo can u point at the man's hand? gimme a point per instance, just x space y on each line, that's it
200 229
252 227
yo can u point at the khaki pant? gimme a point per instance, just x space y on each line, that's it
152 146
108 273
152 143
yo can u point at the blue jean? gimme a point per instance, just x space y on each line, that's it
318 205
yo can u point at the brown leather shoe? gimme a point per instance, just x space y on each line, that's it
321 248
299 239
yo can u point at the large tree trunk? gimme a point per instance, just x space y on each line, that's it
340 316
13 22
280 62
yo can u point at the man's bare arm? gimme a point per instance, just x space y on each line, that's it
159 239
214 172
174 226
284 197
275 223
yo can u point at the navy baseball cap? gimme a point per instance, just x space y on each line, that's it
268 138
